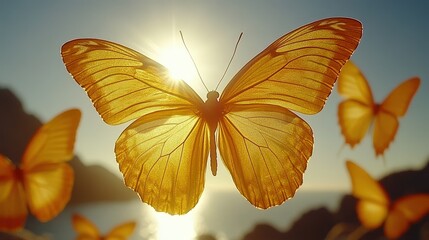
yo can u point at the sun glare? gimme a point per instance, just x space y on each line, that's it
175 227
177 60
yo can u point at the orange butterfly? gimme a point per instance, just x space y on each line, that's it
43 180
374 206
359 110
86 230
163 154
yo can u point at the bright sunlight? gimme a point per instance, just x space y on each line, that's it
175 227
179 63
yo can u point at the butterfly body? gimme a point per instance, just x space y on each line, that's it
212 111
264 145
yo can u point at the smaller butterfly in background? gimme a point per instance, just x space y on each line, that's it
44 180
358 111
375 208
86 230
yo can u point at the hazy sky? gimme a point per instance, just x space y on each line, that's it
394 47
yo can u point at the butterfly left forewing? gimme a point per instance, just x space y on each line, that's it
47 178
404 212
13 209
298 70
398 101
266 149
121 232
163 157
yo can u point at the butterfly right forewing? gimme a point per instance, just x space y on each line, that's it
356 112
122 83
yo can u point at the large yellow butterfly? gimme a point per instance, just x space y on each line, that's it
86 230
163 154
358 110
374 207
43 180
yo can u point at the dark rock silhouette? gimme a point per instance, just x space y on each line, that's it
318 223
205 237
264 231
16 126
92 183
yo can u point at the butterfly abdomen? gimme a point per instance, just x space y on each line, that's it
212 111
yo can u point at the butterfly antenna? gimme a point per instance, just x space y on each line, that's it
232 57
195 65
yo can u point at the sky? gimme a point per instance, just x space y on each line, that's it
393 48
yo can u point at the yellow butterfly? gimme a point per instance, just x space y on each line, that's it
163 154
43 180
86 230
374 207
359 110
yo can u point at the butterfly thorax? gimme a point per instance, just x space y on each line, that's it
376 108
212 111
19 174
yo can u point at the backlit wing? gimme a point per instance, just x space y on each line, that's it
373 205
85 229
163 157
299 69
13 209
406 211
356 112
266 149
122 83
121 232
394 106
47 178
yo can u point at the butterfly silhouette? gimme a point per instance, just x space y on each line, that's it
163 154
375 208
86 230
43 181
358 111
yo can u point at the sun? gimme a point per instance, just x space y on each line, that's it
178 62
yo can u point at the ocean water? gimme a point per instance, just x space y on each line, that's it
223 214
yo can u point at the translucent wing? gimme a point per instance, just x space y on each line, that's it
406 211
122 83
394 106
84 228
121 232
163 157
353 85
354 119
48 180
299 69
13 209
398 101
356 112
266 149
373 204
